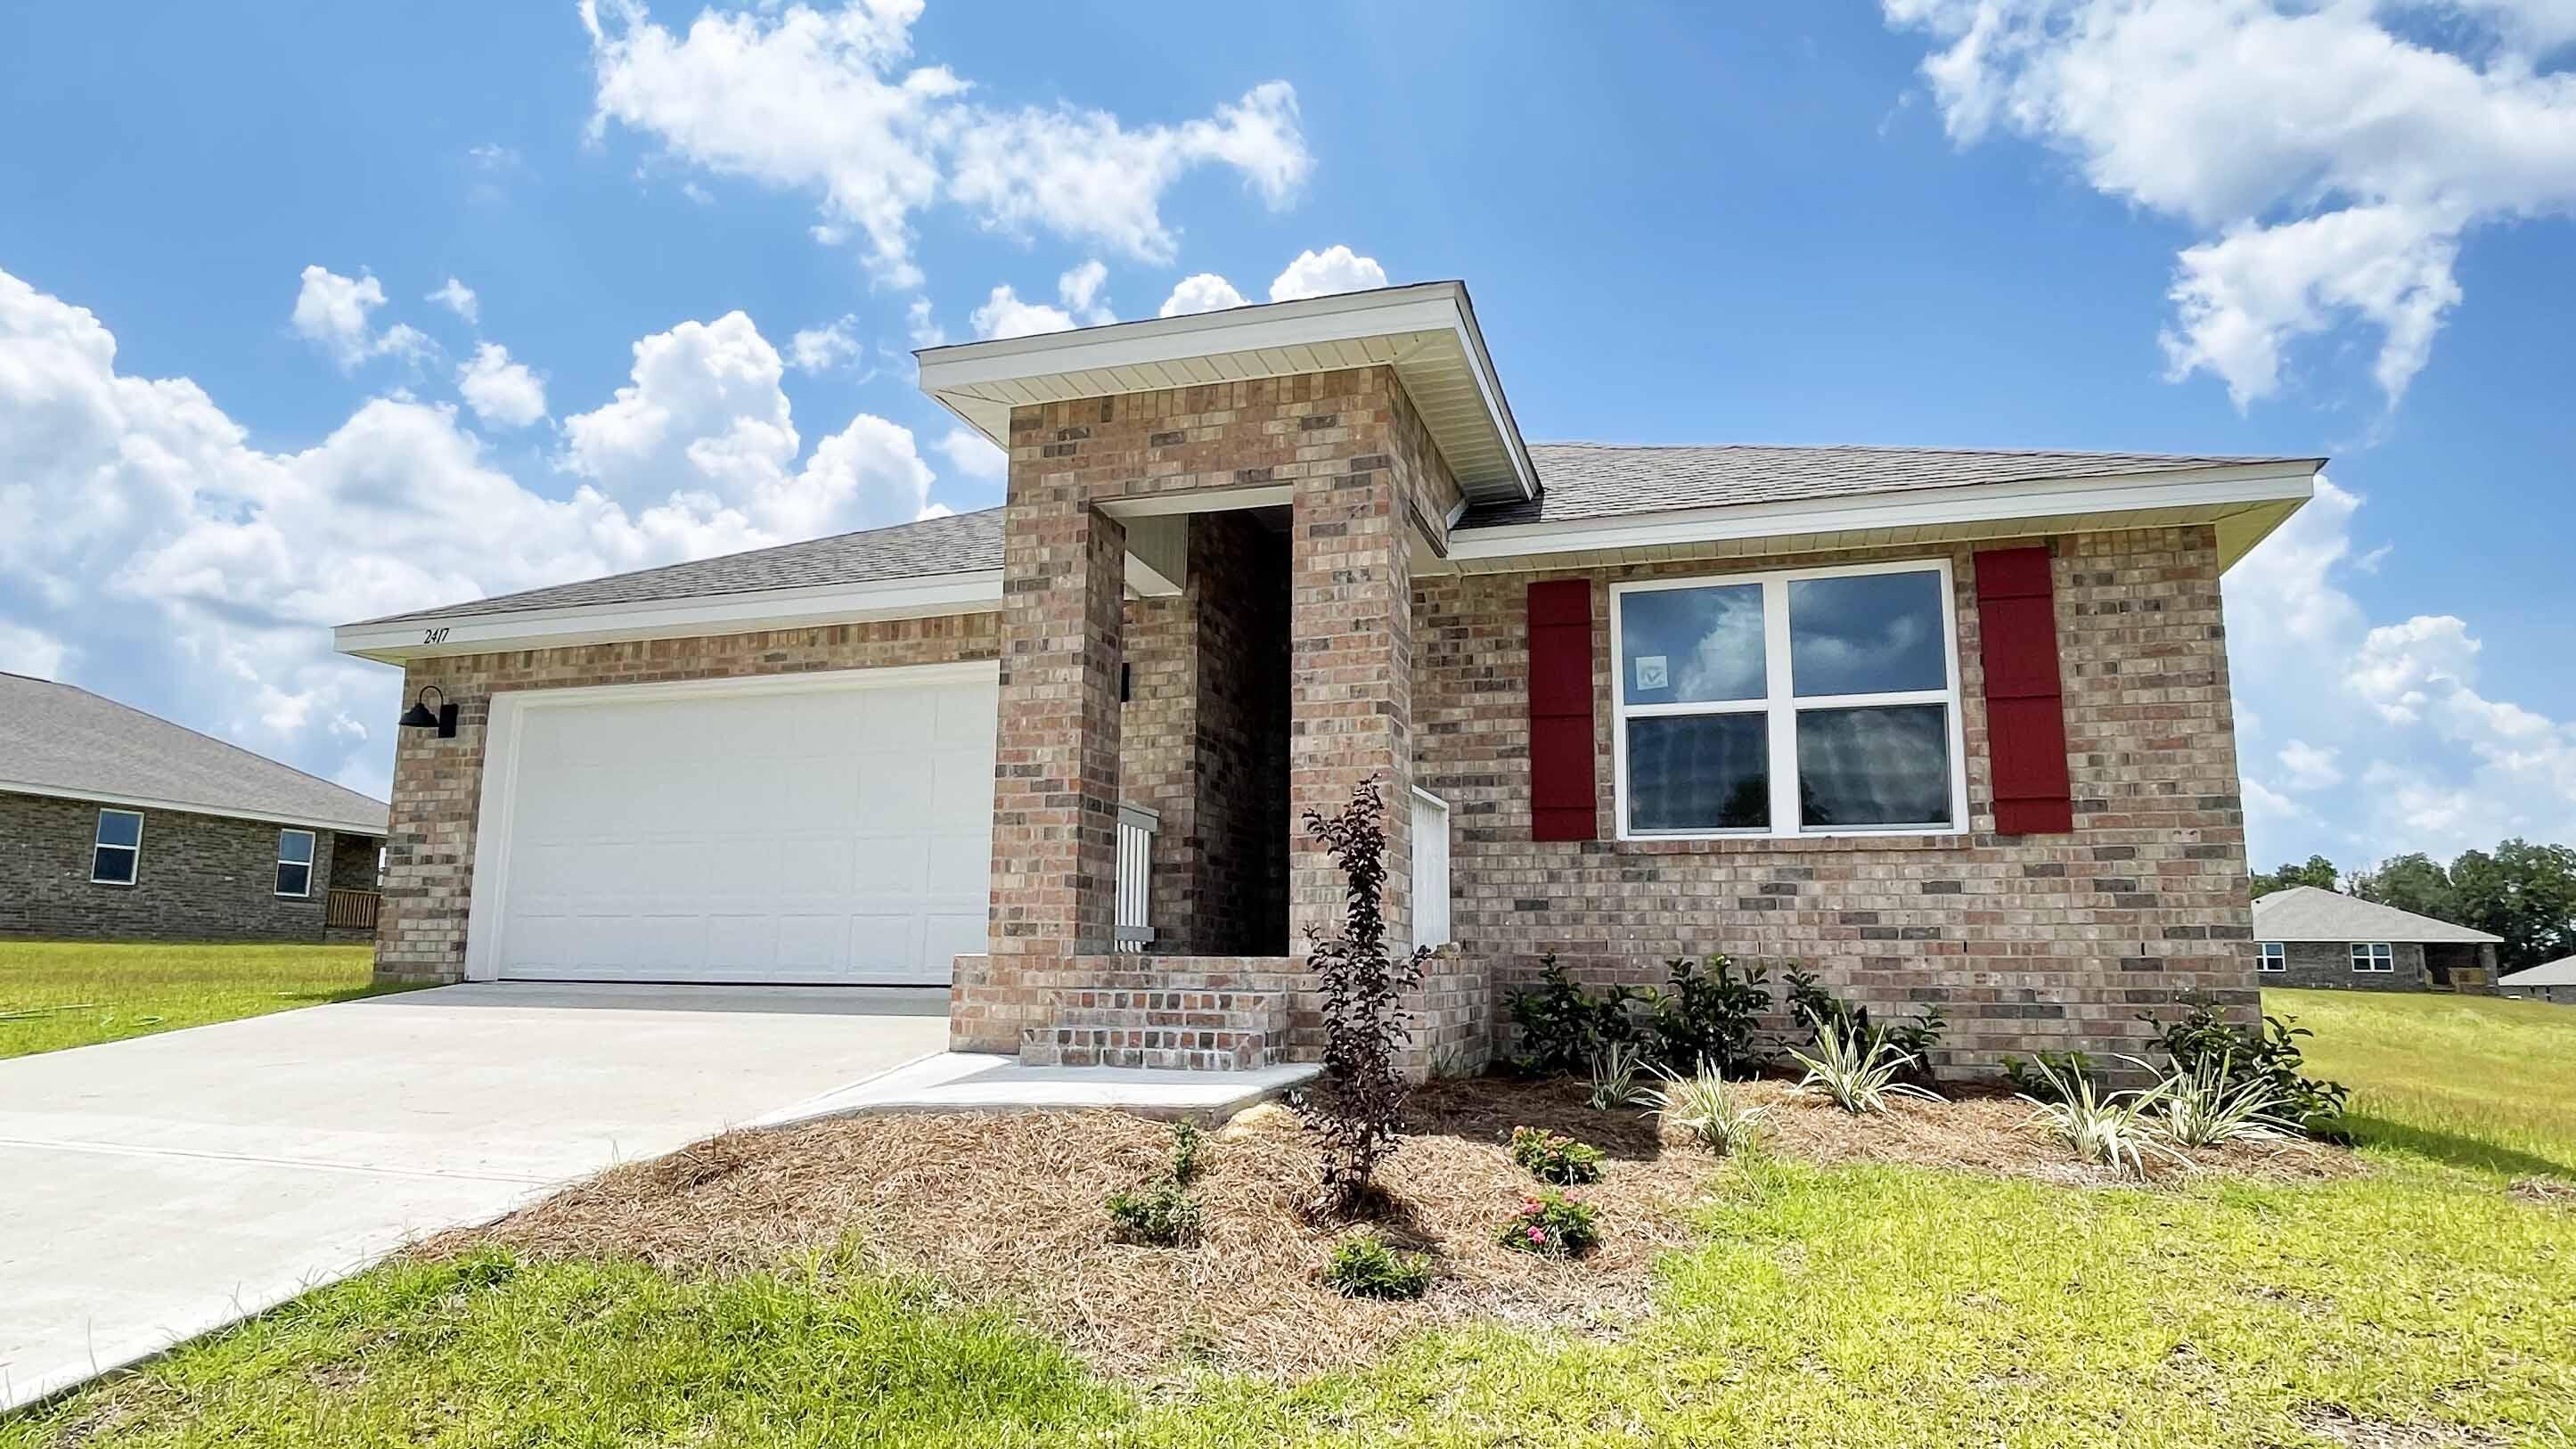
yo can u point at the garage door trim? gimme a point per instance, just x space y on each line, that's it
503 730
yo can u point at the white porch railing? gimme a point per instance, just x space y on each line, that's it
1430 869
1137 827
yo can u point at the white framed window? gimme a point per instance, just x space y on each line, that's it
116 850
1801 702
295 862
2272 956
2373 956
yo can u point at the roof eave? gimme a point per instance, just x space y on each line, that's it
123 801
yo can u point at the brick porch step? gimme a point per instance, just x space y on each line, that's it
1171 1029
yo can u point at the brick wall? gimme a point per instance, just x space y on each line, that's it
201 877
2328 965
2026 943
438 784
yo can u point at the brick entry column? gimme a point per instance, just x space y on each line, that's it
1055 785
1350 686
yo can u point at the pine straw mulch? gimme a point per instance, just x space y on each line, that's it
1005 1210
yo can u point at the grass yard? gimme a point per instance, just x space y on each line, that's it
56 994
1812 1299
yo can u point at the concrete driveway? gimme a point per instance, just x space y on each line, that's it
153 1189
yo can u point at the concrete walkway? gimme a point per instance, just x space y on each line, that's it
151 1190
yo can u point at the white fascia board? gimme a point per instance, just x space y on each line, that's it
952 374
428 636
192 807
2213 488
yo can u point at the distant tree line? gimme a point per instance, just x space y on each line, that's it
2523 892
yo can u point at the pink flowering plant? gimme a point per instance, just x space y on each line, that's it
1555 1157
1551 1224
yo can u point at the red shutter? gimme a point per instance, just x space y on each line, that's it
2025 696
1562 805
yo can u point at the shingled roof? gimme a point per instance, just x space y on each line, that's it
2310 913
1605 480
59 739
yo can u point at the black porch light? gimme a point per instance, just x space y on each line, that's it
419 716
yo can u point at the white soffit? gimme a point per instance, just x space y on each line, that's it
1427 333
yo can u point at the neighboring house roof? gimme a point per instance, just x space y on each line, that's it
2309 913
958 543
2561 972
1607 480
61 740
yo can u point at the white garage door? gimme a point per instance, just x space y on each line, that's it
824 829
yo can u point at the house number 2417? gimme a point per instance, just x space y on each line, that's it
434 636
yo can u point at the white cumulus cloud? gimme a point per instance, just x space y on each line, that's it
1204 292
1005 315
1318 274
458 298
971 453
332 312
820 349
502 393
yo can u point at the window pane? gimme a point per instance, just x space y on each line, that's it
119 827
112 863
1691 646
1883 766
1699 772
294 880
295 845
1867 634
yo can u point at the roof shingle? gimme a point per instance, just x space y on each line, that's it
2308 913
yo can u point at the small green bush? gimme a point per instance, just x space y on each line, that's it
1710 1018
1188 1141
1161 1216
1551 1225
1555 1157
1363 1266
1562 1026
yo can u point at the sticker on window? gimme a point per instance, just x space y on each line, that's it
1650 672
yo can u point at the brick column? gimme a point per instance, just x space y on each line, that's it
1350 685
1055 789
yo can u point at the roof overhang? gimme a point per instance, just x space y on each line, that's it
2243 502
191 807
428 636
1426 333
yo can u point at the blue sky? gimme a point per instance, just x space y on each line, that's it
2188 225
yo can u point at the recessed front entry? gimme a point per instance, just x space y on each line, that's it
813 829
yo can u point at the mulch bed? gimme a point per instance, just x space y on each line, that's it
1005 1210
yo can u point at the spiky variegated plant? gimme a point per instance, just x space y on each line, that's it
1357 1106
2202 1107
2115 1129
1856 1073
1709 1110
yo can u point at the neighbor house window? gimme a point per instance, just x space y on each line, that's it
2273 956
116 853
295 862
2373 956
1818 701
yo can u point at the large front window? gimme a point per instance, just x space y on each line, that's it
1817 701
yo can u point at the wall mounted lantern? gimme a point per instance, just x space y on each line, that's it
419 717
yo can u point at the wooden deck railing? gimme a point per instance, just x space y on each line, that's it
352 910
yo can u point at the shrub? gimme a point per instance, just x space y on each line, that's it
1162 1216
1552 1225
2113 1130
2044 1080
1917 1037
1363 1266
1555 1157
1562 1026
1615 1070
1357 1106
1857 1074
2211 1105
1710 1017
1188 1141
1709 1111
2269 1051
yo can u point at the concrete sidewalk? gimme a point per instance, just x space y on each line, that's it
165 1186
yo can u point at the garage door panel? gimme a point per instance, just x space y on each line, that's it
828 833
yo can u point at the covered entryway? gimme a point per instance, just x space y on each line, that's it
815 829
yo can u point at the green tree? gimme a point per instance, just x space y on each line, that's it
2523 892
2319 872
2414 882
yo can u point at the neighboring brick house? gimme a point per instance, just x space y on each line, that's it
2549 981
1950 727
115 824
2308 936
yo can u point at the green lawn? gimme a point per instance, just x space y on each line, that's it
1866 1305
56 994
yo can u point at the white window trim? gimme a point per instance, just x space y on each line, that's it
1784 706
312 850
2271 958
2371 951
96 845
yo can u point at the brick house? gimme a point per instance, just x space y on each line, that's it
2307 936
115 824
1946 726
2549 981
